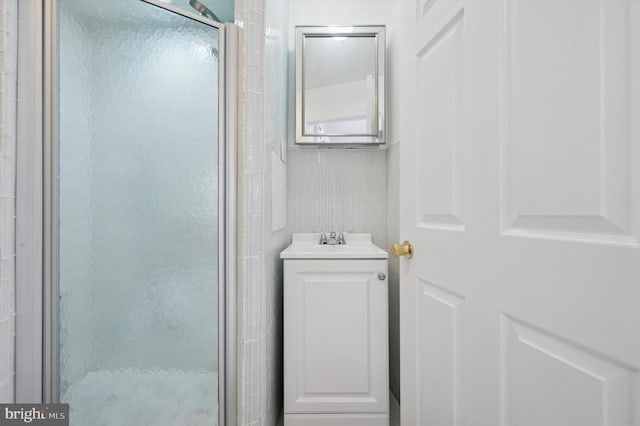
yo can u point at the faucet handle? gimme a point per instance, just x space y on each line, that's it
341 239
333 238
323 239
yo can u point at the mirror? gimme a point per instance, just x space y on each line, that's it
340 85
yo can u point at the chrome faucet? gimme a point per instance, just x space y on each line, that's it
323 239
333 238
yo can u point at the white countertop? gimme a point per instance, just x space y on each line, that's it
358 246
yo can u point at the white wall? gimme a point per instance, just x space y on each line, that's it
356 190
8 79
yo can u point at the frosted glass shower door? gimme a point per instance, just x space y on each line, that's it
137 214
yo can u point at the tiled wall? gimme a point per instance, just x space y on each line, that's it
8 76
338 190
251 178
262 130
275 104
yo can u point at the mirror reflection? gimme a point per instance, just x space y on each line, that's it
339 86
339 90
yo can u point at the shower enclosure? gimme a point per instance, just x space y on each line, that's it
138 213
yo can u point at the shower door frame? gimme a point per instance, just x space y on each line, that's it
37 376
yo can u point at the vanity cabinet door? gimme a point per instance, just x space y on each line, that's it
335 336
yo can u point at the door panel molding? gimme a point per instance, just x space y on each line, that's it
440 196
566 139
537 367
424 6
438 320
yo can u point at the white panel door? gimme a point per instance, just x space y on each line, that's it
335 333
521 194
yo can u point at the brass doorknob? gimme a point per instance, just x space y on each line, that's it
405 249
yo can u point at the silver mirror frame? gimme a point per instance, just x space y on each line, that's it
379 33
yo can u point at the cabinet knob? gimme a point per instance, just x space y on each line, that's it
381 276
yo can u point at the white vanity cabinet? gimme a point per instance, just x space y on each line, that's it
335 333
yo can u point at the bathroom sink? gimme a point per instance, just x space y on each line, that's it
358 246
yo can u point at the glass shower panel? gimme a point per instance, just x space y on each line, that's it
137 207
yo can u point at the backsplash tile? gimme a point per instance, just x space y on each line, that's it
337 190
